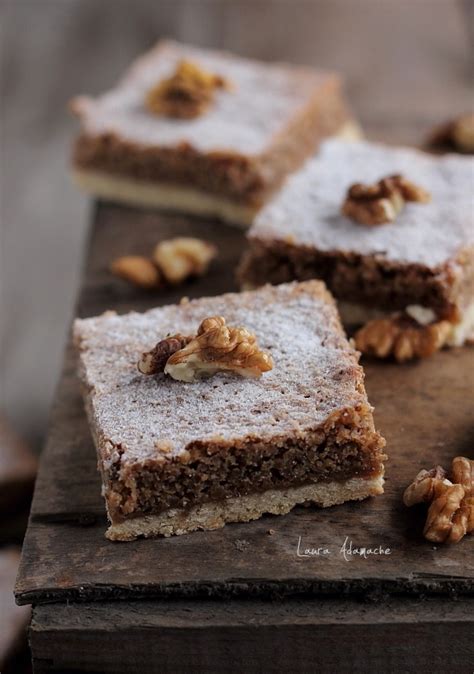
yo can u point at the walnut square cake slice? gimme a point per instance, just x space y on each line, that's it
421 262
204 132
176 457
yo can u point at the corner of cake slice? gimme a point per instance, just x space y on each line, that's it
176 457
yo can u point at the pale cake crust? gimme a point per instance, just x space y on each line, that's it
210 516
306 422
164 196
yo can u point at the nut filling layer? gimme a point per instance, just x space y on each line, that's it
350 450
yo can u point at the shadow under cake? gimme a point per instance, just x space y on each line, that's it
225 162
176 457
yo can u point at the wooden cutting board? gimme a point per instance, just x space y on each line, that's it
424 410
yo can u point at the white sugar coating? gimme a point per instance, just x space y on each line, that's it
308 209
244 120
315 372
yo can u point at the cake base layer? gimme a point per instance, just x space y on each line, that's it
164 196
175 197
211 516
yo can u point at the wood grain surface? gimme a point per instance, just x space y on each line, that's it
424 410
238 637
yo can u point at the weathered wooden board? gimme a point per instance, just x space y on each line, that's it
424 410
304 636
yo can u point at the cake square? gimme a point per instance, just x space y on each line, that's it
263 121
422 262
176 457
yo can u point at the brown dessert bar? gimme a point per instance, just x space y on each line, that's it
422 262
176 457
225 161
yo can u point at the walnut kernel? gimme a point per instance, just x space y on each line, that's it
462 472
154 361
463 133
457 134
183 257
439 526
136 269
381 202
422 489
218 348
451 512
186 94
402 337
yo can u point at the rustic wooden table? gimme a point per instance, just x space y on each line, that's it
238 599
159 605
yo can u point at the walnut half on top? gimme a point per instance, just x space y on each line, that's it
216 348
186 94
381 202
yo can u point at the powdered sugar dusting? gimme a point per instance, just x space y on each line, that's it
308 208
315 372
244 120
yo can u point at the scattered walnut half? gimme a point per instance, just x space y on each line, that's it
457 134
451 512
174 260
422 489
154 361
218 348
462 472
186 94
402 337
183 257
136 269
379 203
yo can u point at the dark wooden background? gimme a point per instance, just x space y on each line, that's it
406 64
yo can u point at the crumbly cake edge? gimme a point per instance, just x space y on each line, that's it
453 280
210 516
